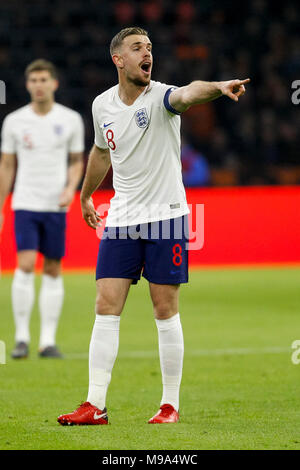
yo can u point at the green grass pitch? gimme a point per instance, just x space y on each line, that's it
240 389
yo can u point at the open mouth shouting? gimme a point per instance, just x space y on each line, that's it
146 67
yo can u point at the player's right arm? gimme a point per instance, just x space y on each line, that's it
7 173
98 165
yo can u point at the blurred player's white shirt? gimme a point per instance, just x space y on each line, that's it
144 144
42 145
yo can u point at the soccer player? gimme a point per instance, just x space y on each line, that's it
137 130
46 139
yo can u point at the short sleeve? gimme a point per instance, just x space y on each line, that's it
8 141
162 93
99 139
76 143
167 102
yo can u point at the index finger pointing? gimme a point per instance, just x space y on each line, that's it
242 82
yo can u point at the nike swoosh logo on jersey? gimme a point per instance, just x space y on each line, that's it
106 125
96 416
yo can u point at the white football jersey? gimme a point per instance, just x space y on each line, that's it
42 145
144 144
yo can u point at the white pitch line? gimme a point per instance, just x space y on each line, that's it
195 352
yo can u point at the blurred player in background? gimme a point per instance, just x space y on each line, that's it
46 140
137 130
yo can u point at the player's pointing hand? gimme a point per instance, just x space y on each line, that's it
234 88
89 213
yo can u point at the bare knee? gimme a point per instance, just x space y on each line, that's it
165 307
165 300
164 311
107 304
52 267
26 260
26 268
111 296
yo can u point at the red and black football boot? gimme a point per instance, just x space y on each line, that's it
85 414
166 414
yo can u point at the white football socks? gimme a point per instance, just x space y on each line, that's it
103 351
50 304
171 350
22 292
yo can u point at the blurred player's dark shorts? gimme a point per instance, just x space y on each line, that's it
41 231
157 250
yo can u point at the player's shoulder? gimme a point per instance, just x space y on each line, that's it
159 87
66 111
160 95
158 91
105 98
17 114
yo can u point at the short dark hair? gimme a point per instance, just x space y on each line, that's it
118 38
41 65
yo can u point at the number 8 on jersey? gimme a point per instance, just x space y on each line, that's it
110 141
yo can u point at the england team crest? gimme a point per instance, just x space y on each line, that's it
58 129
141 118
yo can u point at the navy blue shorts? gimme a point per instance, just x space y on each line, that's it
41 231
158 250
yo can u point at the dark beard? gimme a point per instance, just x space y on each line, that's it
139 82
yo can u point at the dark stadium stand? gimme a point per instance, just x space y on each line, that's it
256 141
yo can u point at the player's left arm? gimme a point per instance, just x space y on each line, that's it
75 173
198 92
